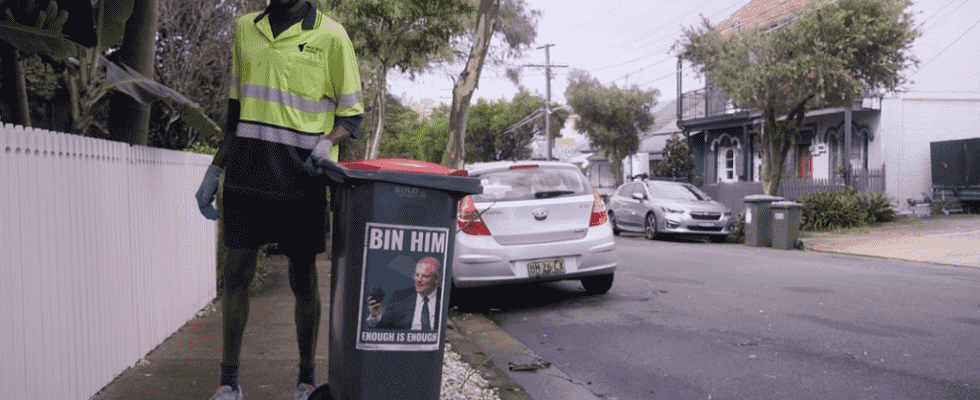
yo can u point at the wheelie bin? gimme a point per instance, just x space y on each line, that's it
785 224
758 219
393 226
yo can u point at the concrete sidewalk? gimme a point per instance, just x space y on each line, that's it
946 239
185 366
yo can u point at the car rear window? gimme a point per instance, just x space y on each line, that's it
531 183
674 191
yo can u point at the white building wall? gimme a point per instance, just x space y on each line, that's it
911 124
941 102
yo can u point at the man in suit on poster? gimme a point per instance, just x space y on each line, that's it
416 308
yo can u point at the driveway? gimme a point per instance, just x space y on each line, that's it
946 239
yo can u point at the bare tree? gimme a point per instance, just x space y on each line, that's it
193 56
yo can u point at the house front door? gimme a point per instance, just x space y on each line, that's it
806 162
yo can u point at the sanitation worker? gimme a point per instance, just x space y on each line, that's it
295 93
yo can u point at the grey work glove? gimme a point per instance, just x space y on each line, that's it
205 193
321 151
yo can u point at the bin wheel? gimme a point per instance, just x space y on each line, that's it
321 393
597 284
612 221
650 228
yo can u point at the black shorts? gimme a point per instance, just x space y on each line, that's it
298 226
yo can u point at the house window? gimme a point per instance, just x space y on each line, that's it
836 150
725 150
730 165
860 136
859 147
757 164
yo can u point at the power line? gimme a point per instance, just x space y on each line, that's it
941 10
641 69
660 79
667 37
946 48
646 33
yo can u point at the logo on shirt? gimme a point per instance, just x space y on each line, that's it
309 49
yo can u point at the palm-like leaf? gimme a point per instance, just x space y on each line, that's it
146 91
111 17
31 40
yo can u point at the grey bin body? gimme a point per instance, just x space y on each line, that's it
365 197
758 218
785 224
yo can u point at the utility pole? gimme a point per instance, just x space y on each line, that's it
547 102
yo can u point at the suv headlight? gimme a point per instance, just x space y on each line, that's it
672 210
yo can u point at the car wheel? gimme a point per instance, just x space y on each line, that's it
650 228
718 238
597 284
612 221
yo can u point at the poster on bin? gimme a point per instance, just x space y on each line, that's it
402 286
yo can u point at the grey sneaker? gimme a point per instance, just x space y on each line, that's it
303 391
227 393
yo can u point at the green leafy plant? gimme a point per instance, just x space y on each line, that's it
678 162
739 230
878 206
202 148
829 210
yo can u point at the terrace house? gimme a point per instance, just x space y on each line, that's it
942 102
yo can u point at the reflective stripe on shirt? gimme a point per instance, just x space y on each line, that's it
277 135
351 100
288 99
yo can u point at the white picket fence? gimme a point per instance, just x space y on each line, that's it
103 255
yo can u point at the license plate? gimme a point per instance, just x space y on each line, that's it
551 267
707 224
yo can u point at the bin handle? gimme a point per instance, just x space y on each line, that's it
334 172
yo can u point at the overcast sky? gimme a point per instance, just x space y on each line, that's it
626 41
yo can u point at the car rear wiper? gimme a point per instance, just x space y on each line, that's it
552 193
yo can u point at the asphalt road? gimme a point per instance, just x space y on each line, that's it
691 320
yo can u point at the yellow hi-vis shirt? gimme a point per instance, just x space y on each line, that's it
290 87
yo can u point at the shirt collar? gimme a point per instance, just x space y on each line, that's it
431 296
309 19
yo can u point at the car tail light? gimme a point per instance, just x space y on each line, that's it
598 210
469 220
523 166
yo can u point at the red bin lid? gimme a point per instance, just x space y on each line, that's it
404 165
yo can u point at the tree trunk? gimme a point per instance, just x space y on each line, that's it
777 142
380 103
15 88
773 156
129 120
772 167
615 167
469 79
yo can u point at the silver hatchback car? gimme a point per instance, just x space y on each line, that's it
659 207
535 221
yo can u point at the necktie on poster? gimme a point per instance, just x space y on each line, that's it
425 314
